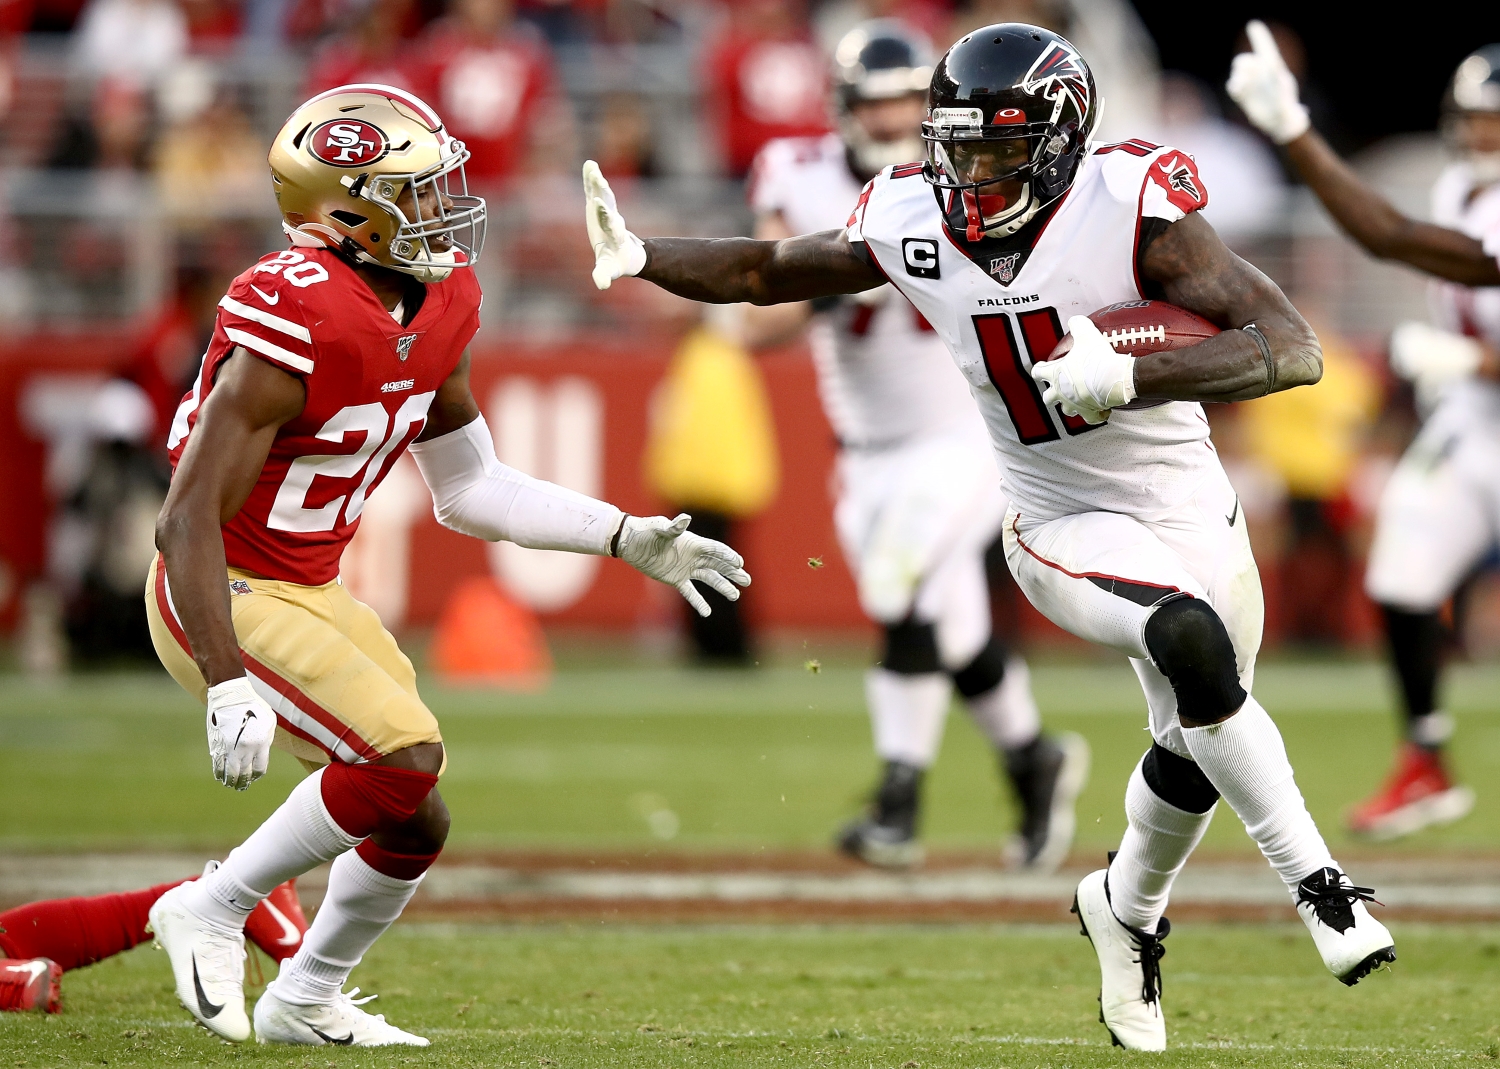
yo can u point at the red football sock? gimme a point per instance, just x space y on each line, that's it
75 932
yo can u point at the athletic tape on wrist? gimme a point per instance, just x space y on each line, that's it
1265 353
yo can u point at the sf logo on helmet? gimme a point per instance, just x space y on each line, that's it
348 143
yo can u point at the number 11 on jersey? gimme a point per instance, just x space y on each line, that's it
1041 330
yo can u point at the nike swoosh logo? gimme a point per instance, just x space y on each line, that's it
1235 514
268 298
34 968
292 936
205 1007
347 1041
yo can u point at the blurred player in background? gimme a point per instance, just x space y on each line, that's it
919 503
328 360
1440 513
42 940
1123 528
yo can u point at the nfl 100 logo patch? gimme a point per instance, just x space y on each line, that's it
404 344
1004 267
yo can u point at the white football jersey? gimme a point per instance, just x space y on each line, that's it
999 316
884 375
1470 310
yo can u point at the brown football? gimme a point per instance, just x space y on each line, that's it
1140 327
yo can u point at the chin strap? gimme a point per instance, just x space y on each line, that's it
971 213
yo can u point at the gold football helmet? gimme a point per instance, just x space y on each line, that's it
369 170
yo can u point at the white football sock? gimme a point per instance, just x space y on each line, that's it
1156 845
297 837
1245 759
1007 712
360 905
907 712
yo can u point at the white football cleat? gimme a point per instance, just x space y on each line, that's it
1129 967
208 965
340 1023
1352 942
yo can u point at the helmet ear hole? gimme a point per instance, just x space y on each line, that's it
349 219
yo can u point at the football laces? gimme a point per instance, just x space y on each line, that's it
1131 336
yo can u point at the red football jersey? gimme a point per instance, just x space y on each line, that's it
369 384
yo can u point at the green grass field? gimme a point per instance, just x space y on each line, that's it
886 997
773 759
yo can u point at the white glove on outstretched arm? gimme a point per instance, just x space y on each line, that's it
240 729
617 252
1090 379
1265 89
667 551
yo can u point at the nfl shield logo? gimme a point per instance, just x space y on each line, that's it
1004 267
404 344
239 586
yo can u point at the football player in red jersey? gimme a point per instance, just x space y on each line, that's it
327 361
1123 528
1437 518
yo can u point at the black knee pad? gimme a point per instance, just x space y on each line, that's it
1188 642
1177 781
984 673
910 649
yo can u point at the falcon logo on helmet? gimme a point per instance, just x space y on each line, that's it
370 171
1059 75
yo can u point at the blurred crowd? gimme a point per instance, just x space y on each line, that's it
133 136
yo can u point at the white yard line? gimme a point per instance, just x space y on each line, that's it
1449 885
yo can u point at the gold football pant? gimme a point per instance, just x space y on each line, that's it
341 687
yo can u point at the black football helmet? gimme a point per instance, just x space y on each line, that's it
1011 112
880 59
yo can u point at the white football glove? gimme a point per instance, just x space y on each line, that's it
617 252
1430 359
1090 379
1265 89
240 729
665 550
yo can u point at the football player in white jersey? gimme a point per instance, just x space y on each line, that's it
918 500
1440 514
1122 527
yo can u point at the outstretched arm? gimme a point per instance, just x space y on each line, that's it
722 270
1267 92
1380 227
1266 345
473 493
734 270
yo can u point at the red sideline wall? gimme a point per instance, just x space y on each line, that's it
777 543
